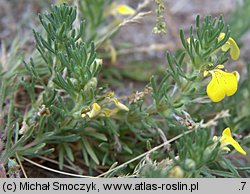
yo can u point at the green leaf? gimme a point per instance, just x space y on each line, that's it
68 152
127 149
65 138
224 174
96 135
32 151
85 155
90 150
61 158
231 167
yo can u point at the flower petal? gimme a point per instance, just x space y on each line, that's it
228 139
221 36
216 88
220 67
205 73
106 112
222 84
231 82
120 105
125 10
96 109
227 133
237 75
232 45
235 51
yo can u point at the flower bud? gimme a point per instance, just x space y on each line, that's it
92 84
190 164
176 172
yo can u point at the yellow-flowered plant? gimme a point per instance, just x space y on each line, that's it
230 44
93 112
77 115
120 105
102 110
121 9
227 139
204 55
222 83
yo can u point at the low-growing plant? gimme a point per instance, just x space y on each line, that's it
164 130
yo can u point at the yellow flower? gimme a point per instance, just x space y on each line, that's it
230 44
125 10
121 9
222 84
106 112
95 110
120 105
227 139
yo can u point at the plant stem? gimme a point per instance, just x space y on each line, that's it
146 153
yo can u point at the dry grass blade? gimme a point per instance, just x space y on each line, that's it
167 143
56 171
